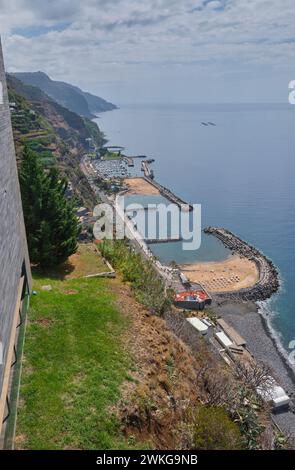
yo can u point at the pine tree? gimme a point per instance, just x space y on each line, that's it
51 224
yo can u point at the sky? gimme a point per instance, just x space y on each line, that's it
156 51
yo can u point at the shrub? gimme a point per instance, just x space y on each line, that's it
212 429
148 287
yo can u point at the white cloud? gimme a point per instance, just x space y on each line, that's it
116 40
213 5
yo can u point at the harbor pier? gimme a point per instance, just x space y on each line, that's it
165 192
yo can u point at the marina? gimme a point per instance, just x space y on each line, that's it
108 169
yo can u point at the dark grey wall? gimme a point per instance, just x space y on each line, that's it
13 247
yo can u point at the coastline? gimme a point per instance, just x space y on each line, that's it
240 309
248 209
243 310
271 331
242 313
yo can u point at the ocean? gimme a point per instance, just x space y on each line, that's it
242 172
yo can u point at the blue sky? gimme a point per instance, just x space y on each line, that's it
157 50
39 30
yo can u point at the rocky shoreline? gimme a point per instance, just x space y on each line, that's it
268 282
250 323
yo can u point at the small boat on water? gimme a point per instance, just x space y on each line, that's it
209 123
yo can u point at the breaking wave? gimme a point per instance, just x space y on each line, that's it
268 313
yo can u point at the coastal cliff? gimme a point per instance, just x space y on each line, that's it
69 96
59 136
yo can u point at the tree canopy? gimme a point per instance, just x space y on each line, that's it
51 223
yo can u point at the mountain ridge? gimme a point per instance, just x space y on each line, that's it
69 96
58 135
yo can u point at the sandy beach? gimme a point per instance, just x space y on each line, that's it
140 186
231 274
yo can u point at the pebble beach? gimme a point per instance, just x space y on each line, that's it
261 342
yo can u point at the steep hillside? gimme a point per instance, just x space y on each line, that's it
94 355
97 104
69 96
57 134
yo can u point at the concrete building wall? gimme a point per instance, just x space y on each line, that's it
13 246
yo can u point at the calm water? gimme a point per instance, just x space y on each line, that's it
242 172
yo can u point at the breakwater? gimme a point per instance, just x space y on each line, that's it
268 282
152 241
165 192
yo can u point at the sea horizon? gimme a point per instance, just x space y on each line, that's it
146 104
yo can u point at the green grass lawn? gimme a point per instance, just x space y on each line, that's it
74 366
87 261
